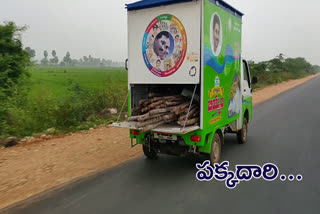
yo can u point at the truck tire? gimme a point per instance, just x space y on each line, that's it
149 152
215 154
243 133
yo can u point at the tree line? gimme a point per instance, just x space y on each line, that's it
281 68
281 63
87 61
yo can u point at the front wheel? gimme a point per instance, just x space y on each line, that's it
243 133
215 154
149 152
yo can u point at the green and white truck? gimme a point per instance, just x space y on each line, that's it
178 44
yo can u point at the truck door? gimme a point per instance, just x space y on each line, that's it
246 91
246 83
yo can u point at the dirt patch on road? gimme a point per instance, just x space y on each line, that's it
31 168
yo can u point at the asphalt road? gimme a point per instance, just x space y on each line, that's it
285 131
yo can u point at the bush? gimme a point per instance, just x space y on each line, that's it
29 115
13 63
279 69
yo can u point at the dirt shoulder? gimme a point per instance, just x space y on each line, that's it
31 168
274 90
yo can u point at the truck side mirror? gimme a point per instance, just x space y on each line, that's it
126 64
254 80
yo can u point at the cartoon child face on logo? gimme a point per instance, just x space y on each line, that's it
164 45
158 64
161 45
176 39
155 30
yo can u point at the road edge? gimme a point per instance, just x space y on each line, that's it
76 181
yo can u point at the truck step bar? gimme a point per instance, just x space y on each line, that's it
165 128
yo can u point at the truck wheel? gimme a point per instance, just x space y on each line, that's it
242 134
215 154
149 153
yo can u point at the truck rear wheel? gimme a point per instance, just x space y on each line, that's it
243 133
149 152
215 154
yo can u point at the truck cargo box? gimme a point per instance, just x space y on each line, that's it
189 51
177 59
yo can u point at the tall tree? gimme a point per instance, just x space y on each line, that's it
55 59
315 69
85 60
30 51
297 65
281 57
45 53
67 59
13 59
45 60
13 65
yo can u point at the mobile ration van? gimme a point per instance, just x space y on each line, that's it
178 44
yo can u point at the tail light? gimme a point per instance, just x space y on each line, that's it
135 132
196 138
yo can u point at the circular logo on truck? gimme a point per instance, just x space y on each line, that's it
164 45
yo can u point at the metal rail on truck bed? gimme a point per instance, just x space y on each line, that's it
165 128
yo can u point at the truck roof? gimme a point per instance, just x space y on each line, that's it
155 3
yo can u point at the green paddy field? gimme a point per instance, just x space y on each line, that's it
58 80
65 99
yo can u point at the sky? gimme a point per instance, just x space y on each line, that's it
99 27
